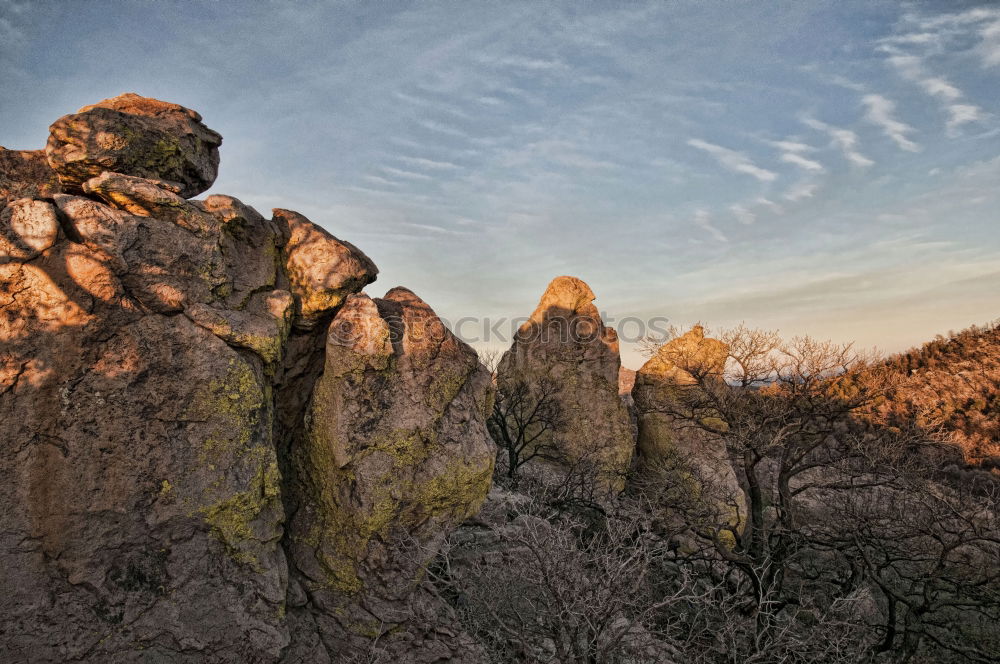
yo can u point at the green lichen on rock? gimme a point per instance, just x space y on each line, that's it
396 452
458 492
232 519
406 447
445 385
236 408
165 154
232 402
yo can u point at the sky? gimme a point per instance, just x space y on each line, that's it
823 168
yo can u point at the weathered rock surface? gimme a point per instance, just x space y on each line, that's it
142 516
26 174
398 454
138 136
157 361
27 228
322 270
665 443
565 342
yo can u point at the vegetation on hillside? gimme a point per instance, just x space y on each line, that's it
952 384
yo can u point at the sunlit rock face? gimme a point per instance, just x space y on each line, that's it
397 454
659 386
157 363
697 460
322 270
565 342
136 136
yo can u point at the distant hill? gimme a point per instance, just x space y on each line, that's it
953 383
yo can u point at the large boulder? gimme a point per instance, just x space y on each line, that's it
137 136
322 270
678 452
565 344
397 454
158 358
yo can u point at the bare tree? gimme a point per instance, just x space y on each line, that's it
522 422
799 426
929 552
650 344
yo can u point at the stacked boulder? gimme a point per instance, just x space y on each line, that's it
174 487
566 344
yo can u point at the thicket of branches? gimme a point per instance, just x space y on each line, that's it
835 536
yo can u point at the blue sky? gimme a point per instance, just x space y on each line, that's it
825 168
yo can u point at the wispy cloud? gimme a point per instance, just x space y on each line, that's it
429 163
802 162
399 172
447 130
983 21
792 152
733 160
833 79
703 220
768 203
742 214
800 191
792 146
912 68
844 139
989 47
879 111
434 229
522 62
12 36
556 151
378 179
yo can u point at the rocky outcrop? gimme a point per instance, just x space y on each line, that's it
136 136
565 343
691 457
157 363
397 455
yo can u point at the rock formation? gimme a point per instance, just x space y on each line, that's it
565 342
137 136
662 379
397 455
691 455
173 488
